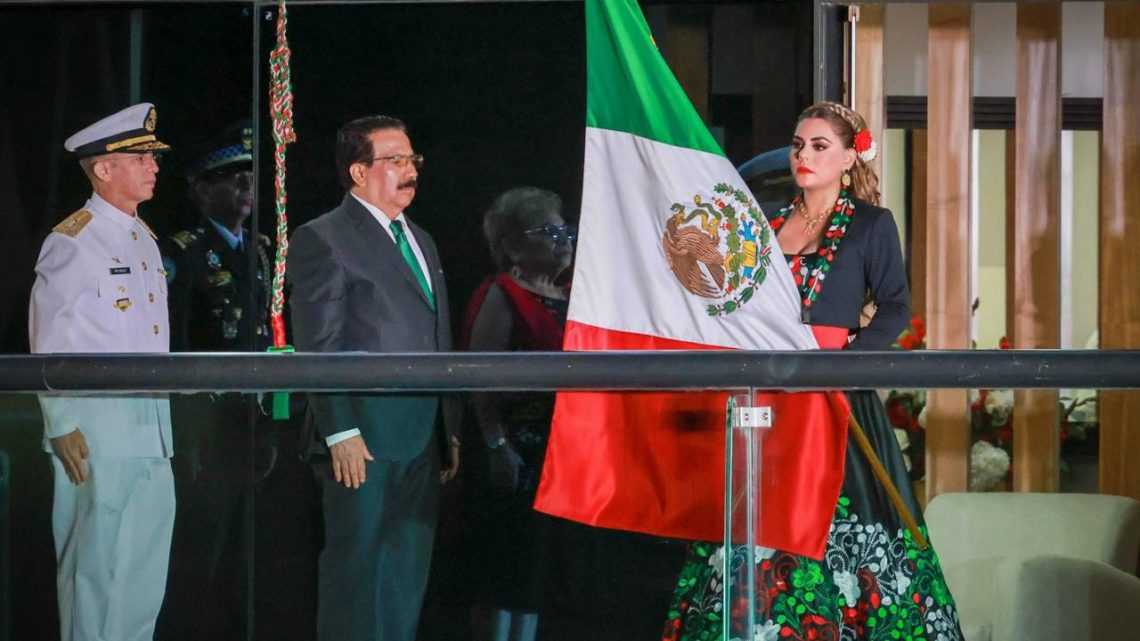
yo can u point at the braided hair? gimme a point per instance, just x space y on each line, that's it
847 123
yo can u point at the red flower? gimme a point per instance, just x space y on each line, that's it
720 203
876 600
1005 433
898 415
981 400
919 327
862 141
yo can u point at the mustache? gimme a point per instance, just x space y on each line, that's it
412 183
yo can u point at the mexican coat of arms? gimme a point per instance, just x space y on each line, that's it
719 250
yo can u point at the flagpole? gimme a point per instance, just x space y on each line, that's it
885 479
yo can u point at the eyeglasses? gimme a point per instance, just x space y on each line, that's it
556 232
402 160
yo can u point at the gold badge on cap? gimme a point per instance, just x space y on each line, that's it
247 138
151 120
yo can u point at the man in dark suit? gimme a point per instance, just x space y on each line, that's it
365 278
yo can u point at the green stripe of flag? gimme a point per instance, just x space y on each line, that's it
629 87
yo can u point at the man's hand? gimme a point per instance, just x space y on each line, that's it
453 468
71 448
348 457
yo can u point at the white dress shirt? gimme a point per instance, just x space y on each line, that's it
386 223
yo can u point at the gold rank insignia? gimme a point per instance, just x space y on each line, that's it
123 304
73 224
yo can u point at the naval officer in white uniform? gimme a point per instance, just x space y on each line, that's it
100 288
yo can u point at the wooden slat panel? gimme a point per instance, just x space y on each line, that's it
916 260
869 94
1033 226
1119 412
948 236
1010 237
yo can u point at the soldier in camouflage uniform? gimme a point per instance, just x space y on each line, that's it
211 283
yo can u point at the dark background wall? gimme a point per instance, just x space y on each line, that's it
493 94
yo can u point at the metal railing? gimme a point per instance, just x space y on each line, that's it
471 371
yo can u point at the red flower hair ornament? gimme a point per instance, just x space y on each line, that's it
865 146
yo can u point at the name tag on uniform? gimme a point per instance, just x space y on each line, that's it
119 271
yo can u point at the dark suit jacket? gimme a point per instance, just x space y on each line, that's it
352 291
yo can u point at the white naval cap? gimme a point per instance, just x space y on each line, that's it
128 131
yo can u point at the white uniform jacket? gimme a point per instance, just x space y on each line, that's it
100 288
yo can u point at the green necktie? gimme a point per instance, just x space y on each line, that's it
410 258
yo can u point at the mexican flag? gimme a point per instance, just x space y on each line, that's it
674 254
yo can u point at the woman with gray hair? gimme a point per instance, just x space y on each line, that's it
522 307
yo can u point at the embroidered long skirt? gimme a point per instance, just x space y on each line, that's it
874 582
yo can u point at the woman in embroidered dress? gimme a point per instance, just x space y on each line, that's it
523 307
874 581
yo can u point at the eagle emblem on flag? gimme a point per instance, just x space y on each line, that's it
718 250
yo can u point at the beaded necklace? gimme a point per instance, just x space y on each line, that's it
836 230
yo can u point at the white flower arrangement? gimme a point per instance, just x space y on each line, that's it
988 466
999 403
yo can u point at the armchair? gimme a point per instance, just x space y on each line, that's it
1040 566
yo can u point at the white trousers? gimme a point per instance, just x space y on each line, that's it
112 545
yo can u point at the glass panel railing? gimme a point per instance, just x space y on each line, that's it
748 422
238 526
